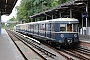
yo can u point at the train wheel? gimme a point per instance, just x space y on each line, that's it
50 43
59 47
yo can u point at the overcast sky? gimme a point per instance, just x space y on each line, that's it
4 18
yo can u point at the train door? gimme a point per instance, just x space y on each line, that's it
53 30
48 30
29 28
36 28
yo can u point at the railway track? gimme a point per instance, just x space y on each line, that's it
60 52
85 43
75 54
45 54
80 53
13 37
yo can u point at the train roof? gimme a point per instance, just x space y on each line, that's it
19 24
58 20
63 20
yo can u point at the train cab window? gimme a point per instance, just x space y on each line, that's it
69 27
62 27
75 27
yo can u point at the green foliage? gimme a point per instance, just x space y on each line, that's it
12 19
31 7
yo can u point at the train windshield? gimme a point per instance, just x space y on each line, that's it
62 27
75 27
68 27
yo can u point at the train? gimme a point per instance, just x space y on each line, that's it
58 32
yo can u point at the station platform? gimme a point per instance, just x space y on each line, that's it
8 50
84 38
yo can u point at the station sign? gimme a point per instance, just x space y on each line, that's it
83 15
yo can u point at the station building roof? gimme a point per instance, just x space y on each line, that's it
75 5
6 6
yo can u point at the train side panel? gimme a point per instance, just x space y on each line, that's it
52 31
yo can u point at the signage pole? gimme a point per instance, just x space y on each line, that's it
82 24
0 22
86 16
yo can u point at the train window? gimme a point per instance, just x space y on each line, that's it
39 26
48 27
31 27
69 27
42 27
75 27
62 27
36 27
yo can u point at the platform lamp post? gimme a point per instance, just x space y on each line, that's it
83 16
86 15
82 23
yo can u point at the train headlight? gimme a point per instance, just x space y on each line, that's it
60 41
75 35
62 35
69 41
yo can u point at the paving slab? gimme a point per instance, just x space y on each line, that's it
8 50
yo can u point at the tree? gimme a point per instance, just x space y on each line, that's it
12 19
31 7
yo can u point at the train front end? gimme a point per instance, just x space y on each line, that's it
69 38
66 32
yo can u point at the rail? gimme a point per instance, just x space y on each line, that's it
48 53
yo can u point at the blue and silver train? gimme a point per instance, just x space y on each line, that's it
61 31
